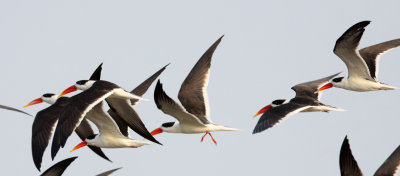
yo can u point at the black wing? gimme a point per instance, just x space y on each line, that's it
308 88
97 73
348 165
59 168
391 165
140 91
13 109
43 127
371 55
75 111
193 93
276 114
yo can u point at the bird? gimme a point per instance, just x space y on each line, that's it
349 167
14 109
193 115
44 125
304 101
59 168
89 105
46 120
108 172
362 65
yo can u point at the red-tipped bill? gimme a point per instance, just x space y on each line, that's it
68 90
262 110
82 144
156 131
35 101
326 86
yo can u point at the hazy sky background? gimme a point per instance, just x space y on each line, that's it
269 46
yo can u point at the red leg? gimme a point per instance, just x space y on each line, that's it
215 142
204 136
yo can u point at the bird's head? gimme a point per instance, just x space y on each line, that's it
165 127
274 103
336 82
79 85
48 98
90 140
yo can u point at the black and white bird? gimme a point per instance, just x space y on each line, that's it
349 166
44 125
46 120
193 115
13 109
89 105
362 65
304 101
59 168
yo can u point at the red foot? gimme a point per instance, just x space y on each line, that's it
204 136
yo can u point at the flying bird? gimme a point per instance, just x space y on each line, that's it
349 166
13 109
46 120
89 105
362 65
59 168
304 101
193 115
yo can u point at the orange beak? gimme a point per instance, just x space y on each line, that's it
82 144
35 101
68 90
326 86
156 131
262 110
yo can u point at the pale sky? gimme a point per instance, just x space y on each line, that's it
269 46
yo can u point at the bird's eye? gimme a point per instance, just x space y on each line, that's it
91 136
337 79
81 82
48 95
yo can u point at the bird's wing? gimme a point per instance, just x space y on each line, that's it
140 91
74 112
391 165
103 121
308 88
124 109
371 55
275 115
142 88
348 165
59 168
84 130
13 109
43 128
193 93
97 73
108 172
170 107
346 48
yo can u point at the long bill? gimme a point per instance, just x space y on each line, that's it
156 131
324 87
68 90
263 110
35 101
82 144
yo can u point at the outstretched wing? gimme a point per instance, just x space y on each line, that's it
348 165
371 55
193 94
308 88
391 165
346 48
59 168
13 109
